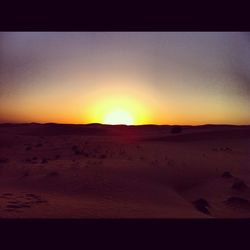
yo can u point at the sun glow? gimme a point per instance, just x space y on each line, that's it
119 117
121 103
117 110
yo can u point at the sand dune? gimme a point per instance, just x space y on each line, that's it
97 171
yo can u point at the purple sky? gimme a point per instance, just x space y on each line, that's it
184 70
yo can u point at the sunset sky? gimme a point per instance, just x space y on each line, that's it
125 77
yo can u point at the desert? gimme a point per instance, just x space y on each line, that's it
118 171
124 125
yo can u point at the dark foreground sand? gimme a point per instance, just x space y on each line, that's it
96 171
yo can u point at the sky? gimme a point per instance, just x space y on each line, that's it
125 77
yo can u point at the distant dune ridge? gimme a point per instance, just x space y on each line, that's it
101 129
117 171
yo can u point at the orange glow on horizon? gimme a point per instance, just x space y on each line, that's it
131 78
115 99
117 110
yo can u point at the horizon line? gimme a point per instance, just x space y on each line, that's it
128 125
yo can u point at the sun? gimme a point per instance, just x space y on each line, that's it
112 107
119 117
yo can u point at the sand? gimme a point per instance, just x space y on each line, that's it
99 171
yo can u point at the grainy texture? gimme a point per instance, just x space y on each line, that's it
96 171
